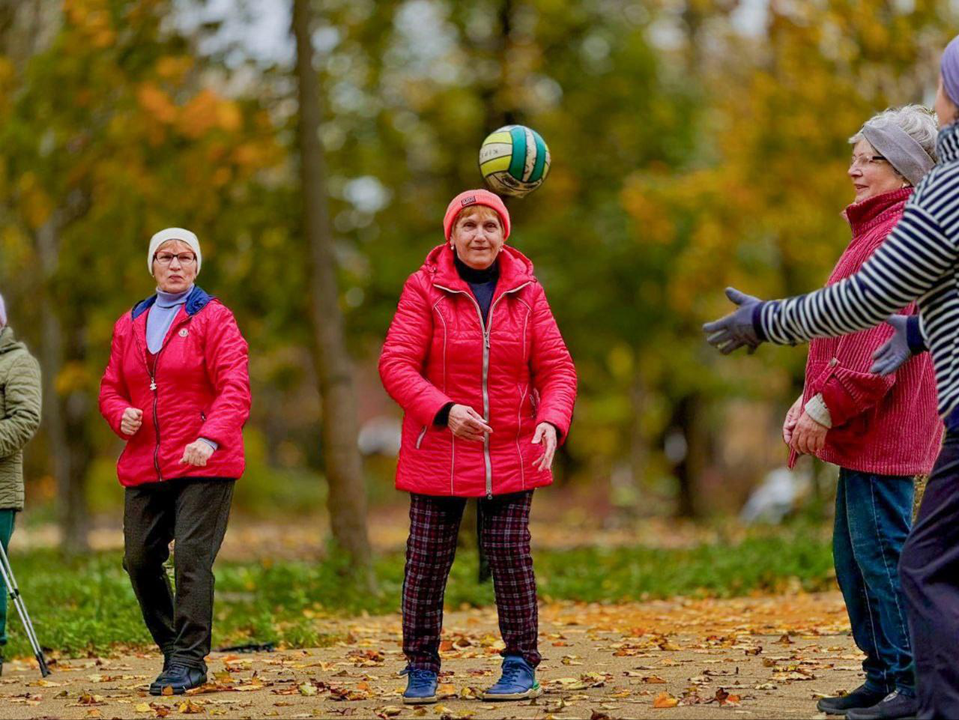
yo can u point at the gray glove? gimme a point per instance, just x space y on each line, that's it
736 329
904 343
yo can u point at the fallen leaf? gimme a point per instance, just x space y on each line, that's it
665 700
143 708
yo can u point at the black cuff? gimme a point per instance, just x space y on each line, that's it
758 323
442 418
914 336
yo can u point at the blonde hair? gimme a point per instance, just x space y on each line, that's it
482 210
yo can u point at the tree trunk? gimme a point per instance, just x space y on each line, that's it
344 469
63 422
689 470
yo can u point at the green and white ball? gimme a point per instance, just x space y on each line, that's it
514 160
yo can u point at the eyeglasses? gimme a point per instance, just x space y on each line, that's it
863 160
183 258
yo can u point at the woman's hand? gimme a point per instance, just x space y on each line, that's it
546 434
131 421
792 417
196 453
809 436
467 424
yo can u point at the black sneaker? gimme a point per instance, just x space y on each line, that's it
895 706
179 678
861 697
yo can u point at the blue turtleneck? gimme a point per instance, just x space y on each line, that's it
160 316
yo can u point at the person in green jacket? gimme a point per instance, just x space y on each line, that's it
19 420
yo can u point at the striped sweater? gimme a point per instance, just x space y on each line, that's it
919 261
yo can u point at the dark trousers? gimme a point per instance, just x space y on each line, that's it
194 513
504 534
873 517
929 569
7 518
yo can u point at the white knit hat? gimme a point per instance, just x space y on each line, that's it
174 234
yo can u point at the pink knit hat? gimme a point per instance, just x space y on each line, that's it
475 197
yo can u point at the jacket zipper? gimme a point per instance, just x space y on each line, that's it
419 440
156 419
486 347
153 388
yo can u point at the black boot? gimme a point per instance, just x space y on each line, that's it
179 678
895 706
861 697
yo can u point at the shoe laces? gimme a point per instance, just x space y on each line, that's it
178 669
418 675
512 672
891 696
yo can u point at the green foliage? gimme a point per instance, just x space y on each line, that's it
87 606
686 156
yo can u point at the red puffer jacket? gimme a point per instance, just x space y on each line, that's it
516 371
201 389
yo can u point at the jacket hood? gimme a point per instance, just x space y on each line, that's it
195 301
8 340
514 268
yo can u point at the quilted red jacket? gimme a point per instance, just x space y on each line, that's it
886 425
514 369
200 388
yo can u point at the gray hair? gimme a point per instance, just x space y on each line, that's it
917 121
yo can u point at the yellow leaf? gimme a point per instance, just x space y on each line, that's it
143 708
665 700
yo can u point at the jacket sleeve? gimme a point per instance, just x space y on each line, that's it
114 394
227 358
553 372
404 354
850 389
23 400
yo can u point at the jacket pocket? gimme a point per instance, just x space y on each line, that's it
419 440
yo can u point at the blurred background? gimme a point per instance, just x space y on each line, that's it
694 144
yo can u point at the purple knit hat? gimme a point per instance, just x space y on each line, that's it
949 66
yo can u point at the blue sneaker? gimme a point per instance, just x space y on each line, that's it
420 686
518 681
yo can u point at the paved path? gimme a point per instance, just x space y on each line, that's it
755 657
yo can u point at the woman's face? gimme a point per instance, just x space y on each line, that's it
174 266
478 237
871 173
946 110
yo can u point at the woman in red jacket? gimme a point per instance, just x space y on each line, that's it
476 361
177 390
880 430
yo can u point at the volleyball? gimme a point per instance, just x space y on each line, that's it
514 160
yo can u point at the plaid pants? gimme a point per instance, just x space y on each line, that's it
434 526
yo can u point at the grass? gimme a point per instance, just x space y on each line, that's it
86 606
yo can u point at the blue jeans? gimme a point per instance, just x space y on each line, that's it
6 531
873 517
